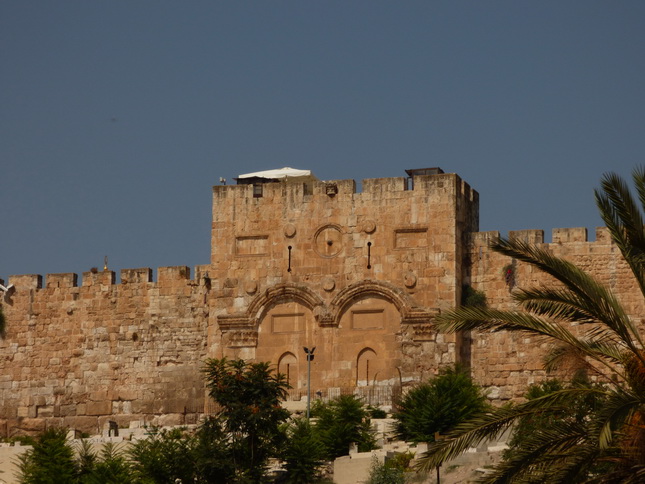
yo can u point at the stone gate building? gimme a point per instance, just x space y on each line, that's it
295 262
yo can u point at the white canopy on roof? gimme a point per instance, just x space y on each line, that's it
285 172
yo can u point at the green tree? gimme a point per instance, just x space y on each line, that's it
212 453
170 456
341 422
304 453
438 405
111 467
50 460
384 474
611 438
249 396
164 457
580 410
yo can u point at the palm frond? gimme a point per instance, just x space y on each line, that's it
561 304
617 409
469 318
491 424
548 452
623 218
591 296
559 354
638 177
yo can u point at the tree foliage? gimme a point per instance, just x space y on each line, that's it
438 405
50 460
304 452
611 437
164 457
212 454
111 466
249 396
341 422
384 474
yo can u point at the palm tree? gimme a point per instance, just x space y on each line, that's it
608 445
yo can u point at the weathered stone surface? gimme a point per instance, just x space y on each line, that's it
360 276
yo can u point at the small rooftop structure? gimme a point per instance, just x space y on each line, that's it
286 174
281 174
424 171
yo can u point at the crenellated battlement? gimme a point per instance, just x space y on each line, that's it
559 236
286 248
143 275
508 362
371 187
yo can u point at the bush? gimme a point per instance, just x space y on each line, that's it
472 297
212 453
249 396
50 461
170 456
376 412
438 406
400 461
578 410
111 467
164 457
304 453
383 474
341 422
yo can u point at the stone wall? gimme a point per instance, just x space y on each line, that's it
506 363
358 275
79 355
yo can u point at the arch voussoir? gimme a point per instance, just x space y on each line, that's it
286 292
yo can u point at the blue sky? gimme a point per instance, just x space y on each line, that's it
117 117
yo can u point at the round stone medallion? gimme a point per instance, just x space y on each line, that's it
328 284
289 230
250 287
328 241
410 280
369 226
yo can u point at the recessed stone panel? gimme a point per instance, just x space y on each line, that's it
252 245
411 238
368 319
287 323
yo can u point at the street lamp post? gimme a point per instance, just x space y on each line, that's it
310 357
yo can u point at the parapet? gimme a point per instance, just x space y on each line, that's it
68 279
143 274
140 275
341 188
173 273
27 281
106 278
527 236
558 236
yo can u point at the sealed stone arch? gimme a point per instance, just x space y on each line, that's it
375 320
367 367
287 318
287 292
288 366
410 311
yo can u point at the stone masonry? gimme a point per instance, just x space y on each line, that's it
358 275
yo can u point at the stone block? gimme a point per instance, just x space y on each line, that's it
83 424
98 408
32 425
66 280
